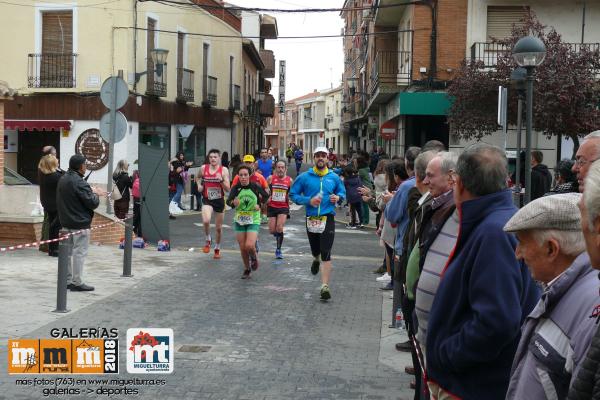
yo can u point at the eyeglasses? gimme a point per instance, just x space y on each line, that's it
580 162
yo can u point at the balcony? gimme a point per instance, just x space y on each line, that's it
268 60
209 91
185 85
52 70
236 97
391 70
488 52
157 81
267 107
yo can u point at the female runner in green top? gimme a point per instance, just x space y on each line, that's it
246 198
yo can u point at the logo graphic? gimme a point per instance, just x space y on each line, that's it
95 356
23 356
150 351
55 356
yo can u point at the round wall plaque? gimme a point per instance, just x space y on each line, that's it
95 149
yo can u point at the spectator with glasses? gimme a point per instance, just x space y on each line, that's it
588 152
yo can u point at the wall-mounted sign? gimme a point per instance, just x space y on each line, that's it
373 121
389 130
95 149
282 78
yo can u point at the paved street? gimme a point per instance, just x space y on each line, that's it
266 338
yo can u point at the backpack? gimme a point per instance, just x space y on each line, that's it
135 190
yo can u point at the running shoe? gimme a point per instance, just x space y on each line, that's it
254 263
206 248
278 254
384 278
314 268
325 293
246 274
217 255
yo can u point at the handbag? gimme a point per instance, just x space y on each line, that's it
116 194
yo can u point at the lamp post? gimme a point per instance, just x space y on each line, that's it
529 53
517 78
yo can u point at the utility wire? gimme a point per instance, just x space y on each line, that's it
281 10
279 37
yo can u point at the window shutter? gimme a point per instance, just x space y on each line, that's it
57 32
500 20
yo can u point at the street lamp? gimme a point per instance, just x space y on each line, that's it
159 59
517 78
529 52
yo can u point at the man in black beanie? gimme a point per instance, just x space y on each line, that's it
76 202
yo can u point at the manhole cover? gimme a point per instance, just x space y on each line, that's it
186 348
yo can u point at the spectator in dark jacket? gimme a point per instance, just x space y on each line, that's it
587 382
178 176
48 178
566 179
352 182
485 293
541 178
76 202
124 183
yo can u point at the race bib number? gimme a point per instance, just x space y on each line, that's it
214 193
244 218
278 195
316 224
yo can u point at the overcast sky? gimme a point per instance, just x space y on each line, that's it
310 63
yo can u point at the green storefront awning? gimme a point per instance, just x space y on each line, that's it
424 103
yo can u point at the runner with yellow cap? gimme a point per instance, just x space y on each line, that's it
318 190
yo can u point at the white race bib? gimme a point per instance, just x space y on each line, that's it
244 218
278 195
214 193
316 224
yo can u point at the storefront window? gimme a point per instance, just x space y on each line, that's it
194 146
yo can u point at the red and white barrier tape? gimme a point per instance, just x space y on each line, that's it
60 239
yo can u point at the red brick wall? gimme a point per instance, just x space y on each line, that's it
108 235
14 233
222 14
451 38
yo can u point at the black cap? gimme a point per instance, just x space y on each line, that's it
76 162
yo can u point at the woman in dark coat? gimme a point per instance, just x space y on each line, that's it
49 175
124 183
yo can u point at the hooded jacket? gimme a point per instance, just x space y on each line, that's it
556 335
308 184
541 181
483 298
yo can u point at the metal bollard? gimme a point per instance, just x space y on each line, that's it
65 249
128 248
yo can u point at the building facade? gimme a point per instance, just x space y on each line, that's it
333 118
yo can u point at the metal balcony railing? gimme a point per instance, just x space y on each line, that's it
157 81
52 70
185 85
236 97
209 91
391 68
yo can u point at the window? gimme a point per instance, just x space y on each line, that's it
57 59
500 20
158 136
194 146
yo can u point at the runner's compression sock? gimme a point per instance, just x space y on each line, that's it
279 239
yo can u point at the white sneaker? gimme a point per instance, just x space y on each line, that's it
384 278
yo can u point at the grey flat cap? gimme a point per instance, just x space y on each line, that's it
559 212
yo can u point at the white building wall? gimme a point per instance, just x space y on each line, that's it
218 138
251 26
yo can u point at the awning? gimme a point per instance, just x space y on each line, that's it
424 103
22 125
271 133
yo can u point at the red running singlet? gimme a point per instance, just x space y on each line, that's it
212 185
280 188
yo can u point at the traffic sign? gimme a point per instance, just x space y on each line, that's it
389 130
120 127
107 96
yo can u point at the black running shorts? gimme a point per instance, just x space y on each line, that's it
218 205
321 243
273 212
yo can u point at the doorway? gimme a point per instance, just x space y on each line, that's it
422 128
30 148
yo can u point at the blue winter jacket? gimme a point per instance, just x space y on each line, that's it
396 212
351 184
308 184
483 298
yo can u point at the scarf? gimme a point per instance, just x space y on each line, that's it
321 173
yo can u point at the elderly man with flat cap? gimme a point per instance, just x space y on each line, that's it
76 202
558 332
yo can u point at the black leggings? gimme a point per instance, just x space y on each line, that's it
321 243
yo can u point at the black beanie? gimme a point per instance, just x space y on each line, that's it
76 162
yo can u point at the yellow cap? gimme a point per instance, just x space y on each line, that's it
248 158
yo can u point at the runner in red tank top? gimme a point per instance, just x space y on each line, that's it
278 207
213 181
